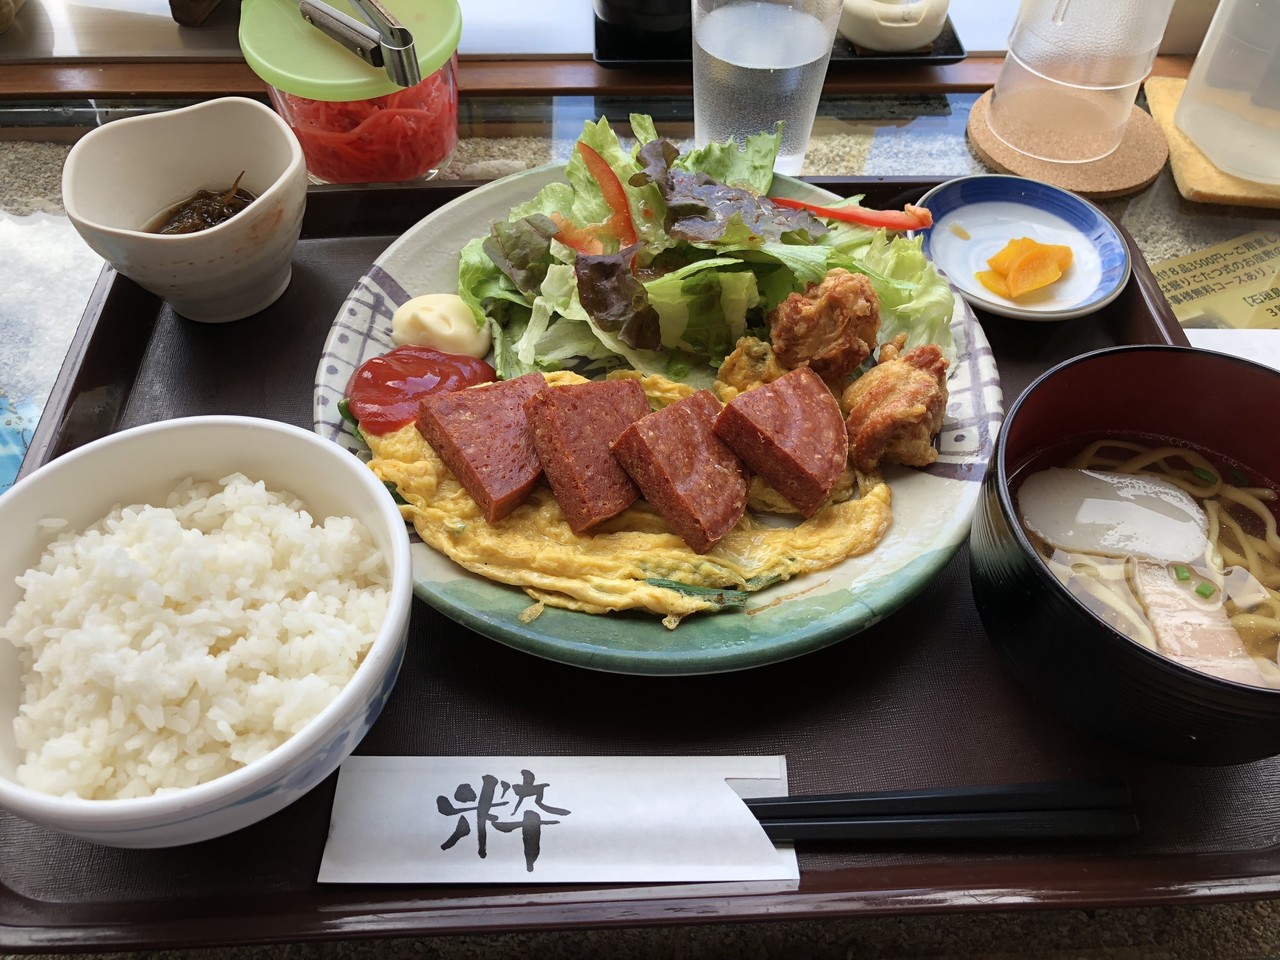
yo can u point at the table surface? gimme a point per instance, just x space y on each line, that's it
46 275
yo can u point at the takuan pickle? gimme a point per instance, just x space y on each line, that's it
202 210
1024 265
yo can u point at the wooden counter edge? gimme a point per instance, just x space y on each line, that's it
195 80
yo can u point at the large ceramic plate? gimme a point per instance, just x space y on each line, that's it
973 217
931 508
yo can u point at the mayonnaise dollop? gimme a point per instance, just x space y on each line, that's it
443 321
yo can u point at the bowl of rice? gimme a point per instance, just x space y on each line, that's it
200 619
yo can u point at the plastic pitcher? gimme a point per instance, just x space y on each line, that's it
1230 108
1066 89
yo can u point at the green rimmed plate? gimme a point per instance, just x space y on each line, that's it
931 507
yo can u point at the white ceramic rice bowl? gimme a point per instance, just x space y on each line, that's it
143 464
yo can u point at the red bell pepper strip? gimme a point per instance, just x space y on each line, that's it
619 225
581 239
909 218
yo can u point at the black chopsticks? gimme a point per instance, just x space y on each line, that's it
1070 809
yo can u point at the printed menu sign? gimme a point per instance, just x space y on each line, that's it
553 820
1234 284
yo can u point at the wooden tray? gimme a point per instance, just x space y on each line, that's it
920 699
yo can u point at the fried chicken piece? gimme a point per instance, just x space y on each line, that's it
752 364
832 326
896 408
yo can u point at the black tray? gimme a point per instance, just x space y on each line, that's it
921 699
621 46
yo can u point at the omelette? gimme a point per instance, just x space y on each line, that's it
632 561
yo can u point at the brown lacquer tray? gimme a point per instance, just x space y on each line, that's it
917 700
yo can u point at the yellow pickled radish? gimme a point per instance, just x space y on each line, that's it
993 281
1003 261
1031 271
1024 265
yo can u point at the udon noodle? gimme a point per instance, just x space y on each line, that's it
1241 565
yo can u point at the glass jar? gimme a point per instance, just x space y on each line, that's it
354 123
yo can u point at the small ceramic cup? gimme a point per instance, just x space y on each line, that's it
120 177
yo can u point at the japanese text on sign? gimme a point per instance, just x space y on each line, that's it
1234 284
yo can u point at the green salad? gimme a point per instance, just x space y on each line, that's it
661 261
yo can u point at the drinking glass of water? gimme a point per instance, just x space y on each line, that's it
756 62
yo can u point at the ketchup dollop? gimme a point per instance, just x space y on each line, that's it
385 392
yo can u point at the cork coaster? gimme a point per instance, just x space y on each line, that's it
1197 177
1130 167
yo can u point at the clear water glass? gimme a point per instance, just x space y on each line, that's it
757 62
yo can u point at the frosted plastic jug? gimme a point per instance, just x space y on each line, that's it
1230 108
1067 86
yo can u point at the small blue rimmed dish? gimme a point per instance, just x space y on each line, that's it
974 217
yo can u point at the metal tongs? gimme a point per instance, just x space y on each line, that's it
381 41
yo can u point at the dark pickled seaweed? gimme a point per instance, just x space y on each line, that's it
202 210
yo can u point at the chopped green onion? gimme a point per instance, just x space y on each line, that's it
345 411
762 581
1181 572
1239 477
1208 476
720 596
1205 589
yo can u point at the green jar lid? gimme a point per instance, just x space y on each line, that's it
293 56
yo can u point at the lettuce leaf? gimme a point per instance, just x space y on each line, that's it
571 343
703 210
616 300
486 289
603 351
521 249
919 302
506 339
749 166
703 307
714 256
643 128
601 138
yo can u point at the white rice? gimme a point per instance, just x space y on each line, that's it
166 646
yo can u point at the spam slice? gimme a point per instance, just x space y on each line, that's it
791 433
573 428
685 472
482 435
